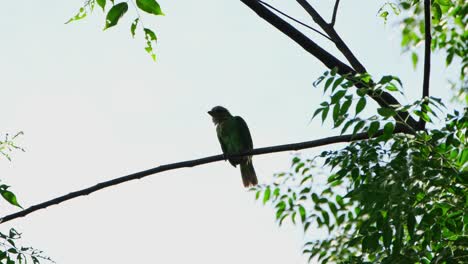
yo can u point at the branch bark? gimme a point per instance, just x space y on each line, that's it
427 57
192 163
335 11
384 99
328 28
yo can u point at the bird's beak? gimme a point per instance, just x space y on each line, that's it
210 113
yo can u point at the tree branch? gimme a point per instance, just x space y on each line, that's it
295 20
193 163
427 57
335 11
328 28
384 99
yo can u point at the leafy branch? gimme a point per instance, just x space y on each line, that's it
117 11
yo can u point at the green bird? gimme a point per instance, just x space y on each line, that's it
234 136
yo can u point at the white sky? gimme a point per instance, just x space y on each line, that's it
94 106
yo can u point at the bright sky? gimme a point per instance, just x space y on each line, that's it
94 106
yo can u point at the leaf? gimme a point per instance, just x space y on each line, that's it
317 112
386 112
150 6
373 127
150 35
414 59
325 113
101 3
358 126
80 15
115 13
360 105
328 83
337 96
266 195
345 106
302 212
134 26
337 82
388 129
11 198
445 2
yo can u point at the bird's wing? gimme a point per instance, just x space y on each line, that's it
244 132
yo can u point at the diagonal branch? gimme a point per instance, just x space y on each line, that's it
192 163
295 20
427 58
335 11
384 99
328 28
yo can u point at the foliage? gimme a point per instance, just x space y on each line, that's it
11 253
396 197
397 200
449 33
118 10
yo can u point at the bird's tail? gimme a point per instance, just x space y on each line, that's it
249 178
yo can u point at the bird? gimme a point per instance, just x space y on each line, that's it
234 137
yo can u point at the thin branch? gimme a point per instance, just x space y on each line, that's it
295 20
357 65
193 163
427 57
384 99
335 11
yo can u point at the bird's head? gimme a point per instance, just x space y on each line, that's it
219 114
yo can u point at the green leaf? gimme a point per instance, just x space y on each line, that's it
10 197
134 26
317 112
150 35
101 3
150 6
266 195
302 212
373 127
115 13
345 106
445 2
337 96
328 83
359 126
360 105
337 82
414 59
325 113
386 112
388 129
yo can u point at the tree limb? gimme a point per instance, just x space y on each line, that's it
328 28
384 99
295 20
193 163
427 57
335 11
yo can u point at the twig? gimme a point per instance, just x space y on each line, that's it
192 163
295 20
335 11
427 58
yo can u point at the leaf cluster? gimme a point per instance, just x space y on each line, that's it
118 10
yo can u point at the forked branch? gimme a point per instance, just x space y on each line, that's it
384 99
